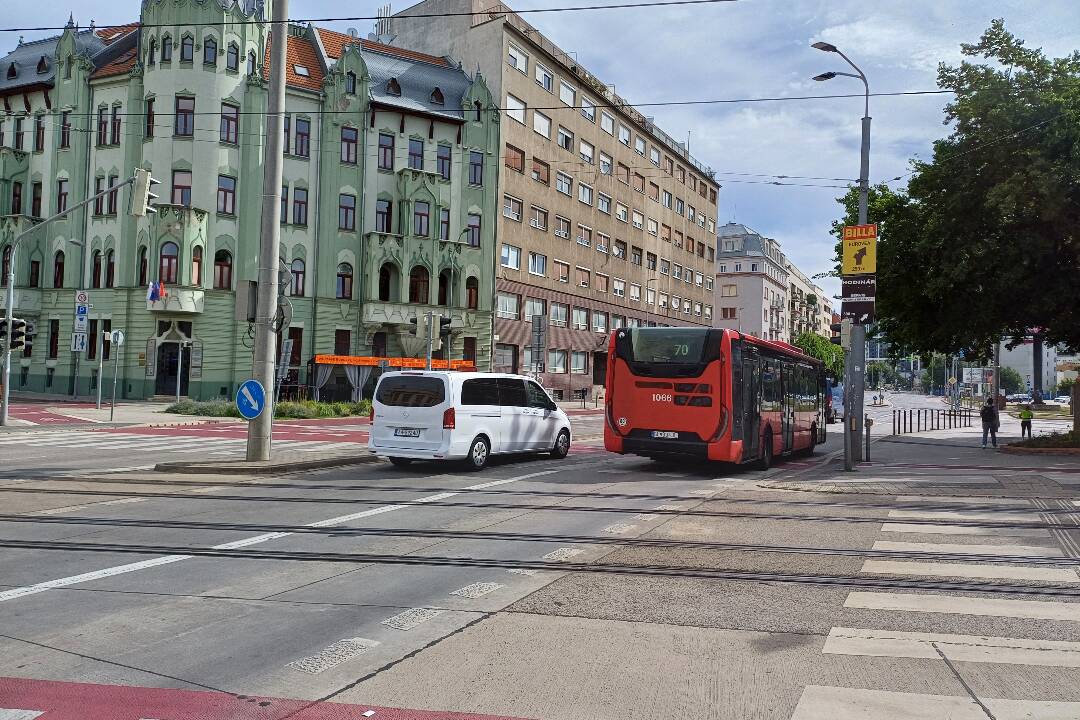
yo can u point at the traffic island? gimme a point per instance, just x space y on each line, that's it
273 466
1067 443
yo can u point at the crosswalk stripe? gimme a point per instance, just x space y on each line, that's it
963 530
836 703
19 714
996 550
996 516
958 648
968 570
957 605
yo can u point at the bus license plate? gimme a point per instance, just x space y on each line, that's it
665 434
407 432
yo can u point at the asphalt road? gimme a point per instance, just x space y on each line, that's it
593 587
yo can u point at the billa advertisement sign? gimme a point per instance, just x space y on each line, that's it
859 255
859 287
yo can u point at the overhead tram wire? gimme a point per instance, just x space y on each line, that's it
359 18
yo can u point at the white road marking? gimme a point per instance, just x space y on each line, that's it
562 554
133 567
644 517
476 590
969 570
963 530
669 507
958 648
411 618
332 656
19 714
703 492
998 516
522 571
671 475
996 550
834 703
955 605
619 528
87 506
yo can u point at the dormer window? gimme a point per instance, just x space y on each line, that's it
301 70
437 97
43 65
350 83
12 71
392 87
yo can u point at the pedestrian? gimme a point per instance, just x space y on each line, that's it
1025 421
990 421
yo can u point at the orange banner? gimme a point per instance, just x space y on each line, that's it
407 363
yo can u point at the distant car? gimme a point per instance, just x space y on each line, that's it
1063 399
1023 398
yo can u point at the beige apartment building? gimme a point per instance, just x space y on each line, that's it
606 221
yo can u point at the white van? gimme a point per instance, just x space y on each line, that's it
439 415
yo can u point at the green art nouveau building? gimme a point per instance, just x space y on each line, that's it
387 209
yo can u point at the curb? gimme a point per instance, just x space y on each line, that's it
1013 450
240 467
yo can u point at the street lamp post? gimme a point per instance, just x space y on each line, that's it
854 367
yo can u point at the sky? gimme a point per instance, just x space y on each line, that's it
749 49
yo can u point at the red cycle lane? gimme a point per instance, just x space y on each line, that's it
81 701
45 414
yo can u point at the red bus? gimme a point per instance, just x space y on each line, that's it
711 393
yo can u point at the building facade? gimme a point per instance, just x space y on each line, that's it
751 284
804 311
387 205
606 221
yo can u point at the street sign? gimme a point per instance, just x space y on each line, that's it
859 255
82 297
250 399
952 381
859 311
859 287
118 337
81 322
78 342
284 359
82 309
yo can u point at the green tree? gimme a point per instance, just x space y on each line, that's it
984 243
819 347
1011 382
880 373
1065 386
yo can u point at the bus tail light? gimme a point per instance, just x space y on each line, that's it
449 419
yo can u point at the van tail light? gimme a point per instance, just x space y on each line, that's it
371 415
449 419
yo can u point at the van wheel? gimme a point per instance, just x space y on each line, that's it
562 445
400 461
765 461
479 452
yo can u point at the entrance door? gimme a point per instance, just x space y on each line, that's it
787 405
168 362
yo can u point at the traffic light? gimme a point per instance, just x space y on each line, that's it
141 194
444 327
18 334
841 333
413 322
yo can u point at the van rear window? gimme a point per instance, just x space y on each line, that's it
411 391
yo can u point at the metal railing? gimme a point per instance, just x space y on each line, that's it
915 420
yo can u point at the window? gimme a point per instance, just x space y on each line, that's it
95 270
578 360
185 117
167 263
148 130
679 205
226 195
566 139
416 154
729 291
607 123
347 212
151 52
676 271
39 133
16 198
232 57
99 203
727 313
618 287
476 167
562 227
542 124
603 203
251 63
302 139
619 249
18 133
222 270
678 239
507 306
639 183
708 282
587 151
650 261
35 274
539 218
113 196
567 93
421 219
556 361
665 199
580 318
562 271
588 109
583 277
181 187
512 208
510 256
680 174
691 213
544 78
665 266
386 151
623 173
58 269
284 204
635 255
444 224
348 145
187 49
541 171
230 120
350 83
144 267
650 296
585 194
654 192
61 195
436 97
639 219
662 302
196 266
584 236
343 343
699 279
393 87
388 283
605 164
443 161
688 276
617 321
563 183
35 199
517 59
537 263
515 159
102 128
603 242
654 156
601 283
559 314
209 51
344 281
166 49
624 135
472 293
639 146
515 108
653 226
708 312
753 267
299 206
534 307
473 226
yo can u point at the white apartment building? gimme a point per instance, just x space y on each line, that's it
751 293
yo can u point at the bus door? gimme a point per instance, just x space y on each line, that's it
790 389
751 409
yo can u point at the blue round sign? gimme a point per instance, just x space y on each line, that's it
250 399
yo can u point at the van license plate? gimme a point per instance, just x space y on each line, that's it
665 434
407 432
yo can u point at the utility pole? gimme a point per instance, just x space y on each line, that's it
263 365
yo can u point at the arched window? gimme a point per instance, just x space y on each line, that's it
251 63
95 271
444 287
388 276
58 269
42 66
110 269
344 281
222 270
298 279
350 82
187 49
196 266
232 57
472 293
209 51
12 71
5 266
167 263
418 285
143 268
478 108
437 97
393 87
378 344
166 48
151 52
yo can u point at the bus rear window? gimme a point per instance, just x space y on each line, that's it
666 345
411 391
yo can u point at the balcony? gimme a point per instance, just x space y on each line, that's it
180 300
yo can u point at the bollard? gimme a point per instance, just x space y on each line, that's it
869 424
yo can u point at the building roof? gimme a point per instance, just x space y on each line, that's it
335 43
24 61
732 229
112 33
418 82
299 53
119 66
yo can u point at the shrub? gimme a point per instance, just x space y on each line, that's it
300 410
1053 440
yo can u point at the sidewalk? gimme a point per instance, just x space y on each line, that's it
77 412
